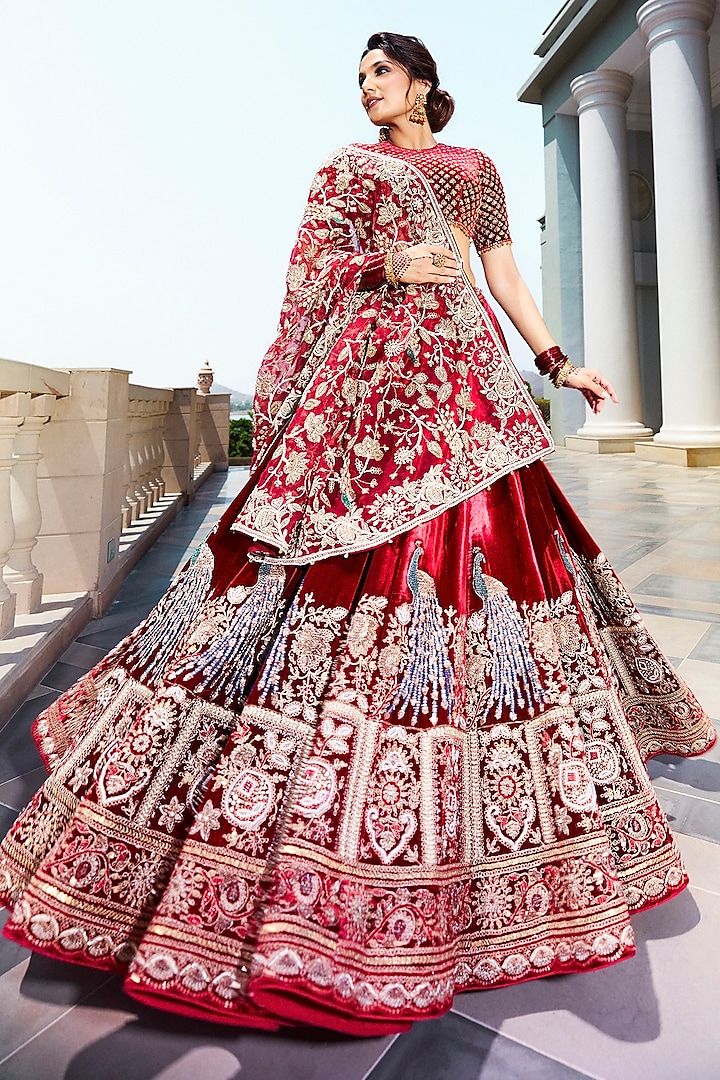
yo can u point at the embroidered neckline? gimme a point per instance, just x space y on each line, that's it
414 149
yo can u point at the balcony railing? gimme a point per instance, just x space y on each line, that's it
92 469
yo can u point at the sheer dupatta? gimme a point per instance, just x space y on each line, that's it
377 408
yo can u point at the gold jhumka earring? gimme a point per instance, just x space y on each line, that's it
384 135
417 113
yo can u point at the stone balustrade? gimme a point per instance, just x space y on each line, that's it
92 469
145 459
28 395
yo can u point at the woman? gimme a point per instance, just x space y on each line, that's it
382 740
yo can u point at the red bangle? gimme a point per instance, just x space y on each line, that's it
552 358
555 364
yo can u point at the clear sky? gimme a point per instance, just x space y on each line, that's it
156 156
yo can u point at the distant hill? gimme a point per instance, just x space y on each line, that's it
238 398
535 381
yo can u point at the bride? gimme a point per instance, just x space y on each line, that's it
383 738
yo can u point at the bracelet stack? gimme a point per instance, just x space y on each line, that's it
555 364
396 264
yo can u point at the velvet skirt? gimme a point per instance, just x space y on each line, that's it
339 794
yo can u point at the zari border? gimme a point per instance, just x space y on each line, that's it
368 543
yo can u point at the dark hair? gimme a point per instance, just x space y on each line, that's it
410 53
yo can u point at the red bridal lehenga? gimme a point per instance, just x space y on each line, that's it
383 738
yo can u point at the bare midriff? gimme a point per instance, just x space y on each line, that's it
463 243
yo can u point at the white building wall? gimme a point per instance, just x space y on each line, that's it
562 262
604 34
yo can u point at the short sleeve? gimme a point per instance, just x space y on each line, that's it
492 229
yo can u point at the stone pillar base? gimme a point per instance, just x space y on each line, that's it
7 615
687 456
28 594
587 444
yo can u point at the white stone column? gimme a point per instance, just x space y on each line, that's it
688 225
611 339
12 409
21 574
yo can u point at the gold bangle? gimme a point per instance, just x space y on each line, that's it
390 276
562 374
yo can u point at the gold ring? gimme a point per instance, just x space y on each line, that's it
438 259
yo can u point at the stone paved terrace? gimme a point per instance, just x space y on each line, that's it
651 1018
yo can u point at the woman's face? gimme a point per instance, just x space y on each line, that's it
387 92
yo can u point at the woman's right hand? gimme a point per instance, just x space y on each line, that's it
422 269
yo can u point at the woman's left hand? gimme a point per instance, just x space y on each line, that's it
593 385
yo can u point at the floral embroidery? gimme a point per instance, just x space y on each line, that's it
393 800
508 790
297 667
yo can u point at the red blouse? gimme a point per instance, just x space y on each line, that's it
467 186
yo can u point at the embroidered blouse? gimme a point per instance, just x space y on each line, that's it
467 186
469 192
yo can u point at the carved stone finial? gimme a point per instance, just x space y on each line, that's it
205 378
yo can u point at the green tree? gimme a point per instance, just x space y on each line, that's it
241 436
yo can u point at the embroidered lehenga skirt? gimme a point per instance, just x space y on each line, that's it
339 794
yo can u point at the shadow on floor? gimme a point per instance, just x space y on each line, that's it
698 773
619 1000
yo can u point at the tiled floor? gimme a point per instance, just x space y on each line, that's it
651 1018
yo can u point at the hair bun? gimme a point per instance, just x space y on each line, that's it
439 108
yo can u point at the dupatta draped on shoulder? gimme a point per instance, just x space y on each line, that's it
377 408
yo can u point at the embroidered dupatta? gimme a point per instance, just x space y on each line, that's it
377 408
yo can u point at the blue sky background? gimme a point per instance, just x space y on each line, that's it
156 156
